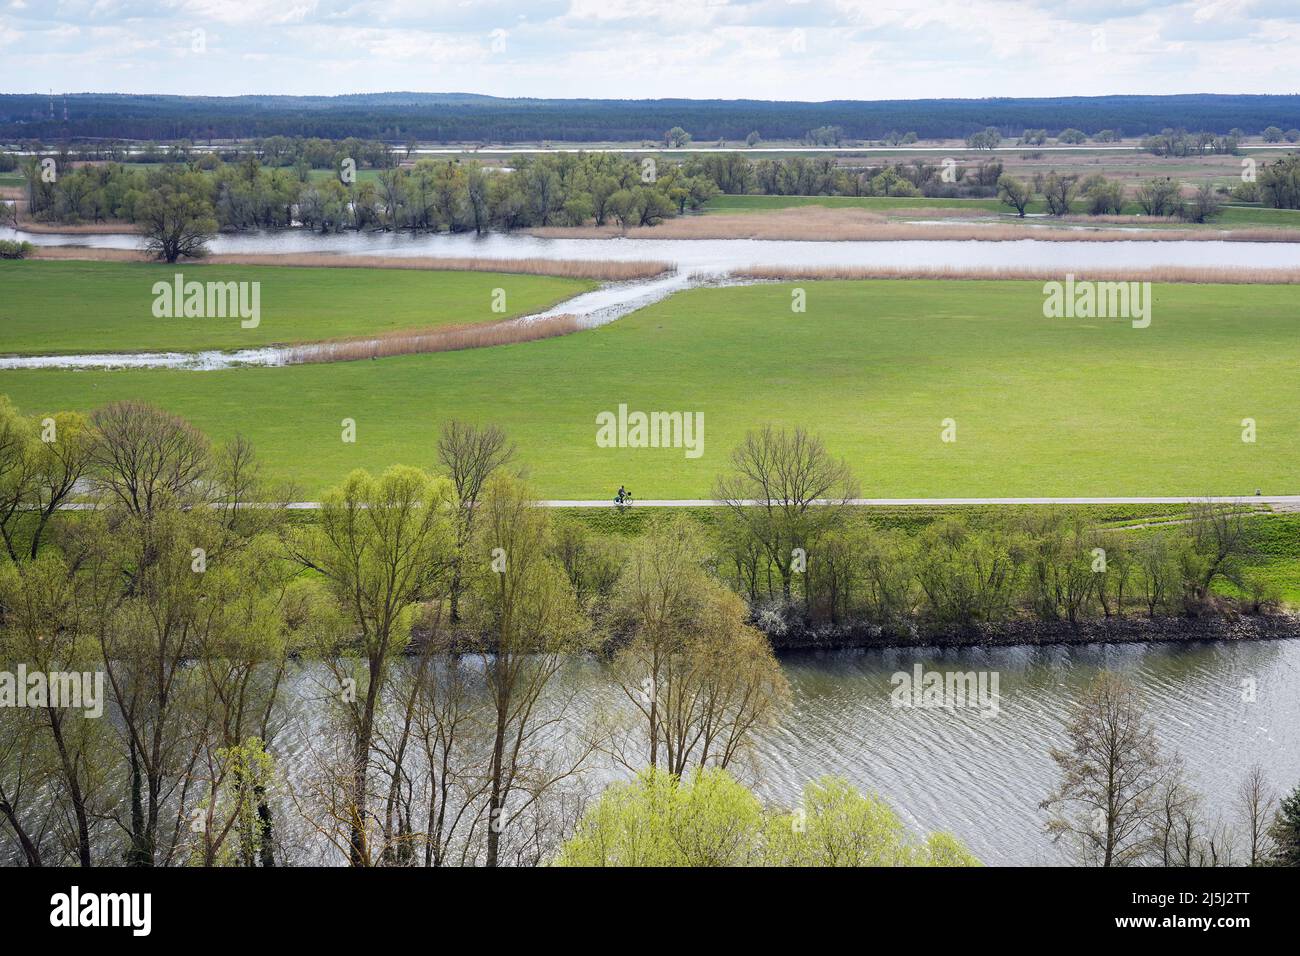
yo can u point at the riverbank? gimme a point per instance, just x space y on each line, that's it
797 636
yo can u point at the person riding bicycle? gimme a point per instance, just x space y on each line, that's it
623 495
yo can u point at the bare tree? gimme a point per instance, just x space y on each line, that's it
787 490
1181 835
1058 192
470 454
1218 533
1112 777
1256 803
145 457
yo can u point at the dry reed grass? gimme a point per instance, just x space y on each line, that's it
801 222
451 339
1169 274
559 268
822 224
79 229
85 253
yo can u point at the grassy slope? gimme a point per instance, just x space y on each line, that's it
1044 407
59 307
1275 543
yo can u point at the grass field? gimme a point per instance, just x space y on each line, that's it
61 307
1043 407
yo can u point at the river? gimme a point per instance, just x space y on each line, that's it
980 776
717 256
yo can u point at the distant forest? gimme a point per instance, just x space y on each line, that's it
452 117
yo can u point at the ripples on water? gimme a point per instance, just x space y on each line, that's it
719 255
983 777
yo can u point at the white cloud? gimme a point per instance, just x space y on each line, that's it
635 48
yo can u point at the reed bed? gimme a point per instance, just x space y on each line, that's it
1169 274
822 224
453 339
79 229
799 222
86 253
605 271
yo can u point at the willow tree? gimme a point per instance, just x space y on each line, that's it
700 681
381 545
42 458
528 623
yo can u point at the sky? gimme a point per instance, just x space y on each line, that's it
760 49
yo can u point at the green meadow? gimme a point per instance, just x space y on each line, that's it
49 307
1049 407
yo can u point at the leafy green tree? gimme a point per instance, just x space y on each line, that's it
1102 196
525 618
1158 197
1280 182
835 825
700 681
381 545
707 818
704 819
676 137
1016 193
988 138
177 217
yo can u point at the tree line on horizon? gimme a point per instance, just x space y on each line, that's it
399 118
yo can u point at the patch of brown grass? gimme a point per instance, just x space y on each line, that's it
802 222
560 268
820 223
455 338
78 229
85 253
1170 274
